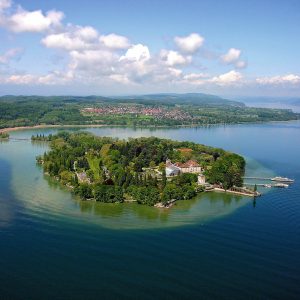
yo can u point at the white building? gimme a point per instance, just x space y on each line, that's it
171 169
201 179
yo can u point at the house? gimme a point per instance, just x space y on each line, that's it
191 166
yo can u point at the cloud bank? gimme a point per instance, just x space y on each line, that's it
104 59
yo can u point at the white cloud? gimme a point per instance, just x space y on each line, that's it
233 57
229 78
114 41
63 41
173 58
21 79
123 79
190 43
175 72
241 64
9 54
32 21
86 33
74 38
4 4
54 78
195 78
137 52
277 80
93 63
111 59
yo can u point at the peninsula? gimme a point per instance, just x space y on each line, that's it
192 109
151 171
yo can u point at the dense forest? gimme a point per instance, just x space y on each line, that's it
112 170
193 109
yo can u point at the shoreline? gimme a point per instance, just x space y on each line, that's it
257 194
10 129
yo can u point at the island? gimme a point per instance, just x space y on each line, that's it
150 171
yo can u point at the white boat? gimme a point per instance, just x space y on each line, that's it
267 186
282 179
281 185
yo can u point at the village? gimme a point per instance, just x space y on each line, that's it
157 112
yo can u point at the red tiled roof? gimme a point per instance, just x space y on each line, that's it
188 164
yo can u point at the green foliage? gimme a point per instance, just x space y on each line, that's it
194 109
185 178
110 167
84 191
108 193
227 170
144 195
171 192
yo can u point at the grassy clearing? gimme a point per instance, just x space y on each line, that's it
94 165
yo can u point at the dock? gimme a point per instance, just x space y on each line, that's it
263 184
258 178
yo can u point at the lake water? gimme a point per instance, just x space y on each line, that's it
216 246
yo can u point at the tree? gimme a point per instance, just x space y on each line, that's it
185 178
170 192
152 164
108 193
145 195
164 178
75 180
84 191
90 174
161 166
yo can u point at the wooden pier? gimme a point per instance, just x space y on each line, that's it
258 178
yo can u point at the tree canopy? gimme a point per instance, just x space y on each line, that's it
112 170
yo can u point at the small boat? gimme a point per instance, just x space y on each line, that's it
267 186
281 185
282 179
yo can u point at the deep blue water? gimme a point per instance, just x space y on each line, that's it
53 247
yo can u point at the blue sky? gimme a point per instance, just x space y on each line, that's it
229 48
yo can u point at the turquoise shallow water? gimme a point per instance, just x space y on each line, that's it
215 246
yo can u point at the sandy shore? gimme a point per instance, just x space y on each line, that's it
125 126
49 126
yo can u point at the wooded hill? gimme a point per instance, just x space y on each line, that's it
191 109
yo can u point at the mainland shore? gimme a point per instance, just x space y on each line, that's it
9 129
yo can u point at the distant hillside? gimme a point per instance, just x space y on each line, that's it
189 98
159 99
145 110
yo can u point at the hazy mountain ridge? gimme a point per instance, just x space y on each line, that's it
163 99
